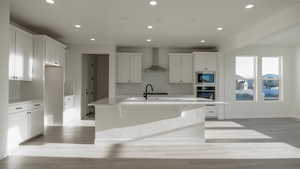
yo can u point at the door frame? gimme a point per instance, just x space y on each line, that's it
83 93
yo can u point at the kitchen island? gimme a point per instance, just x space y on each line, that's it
158 120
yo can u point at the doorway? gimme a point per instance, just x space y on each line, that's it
95 82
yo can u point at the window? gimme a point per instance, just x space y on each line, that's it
271 77
245 78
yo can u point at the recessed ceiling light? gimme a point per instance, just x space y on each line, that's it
77 26
50 1
148 40
220 28
150 27
93 39
153 3
203 41
249 6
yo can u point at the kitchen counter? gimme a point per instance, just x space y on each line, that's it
158 120
18 102
155 100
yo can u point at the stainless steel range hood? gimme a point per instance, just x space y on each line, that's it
155 67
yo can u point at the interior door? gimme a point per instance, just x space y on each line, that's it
85 85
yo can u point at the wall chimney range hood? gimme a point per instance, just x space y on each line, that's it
155 67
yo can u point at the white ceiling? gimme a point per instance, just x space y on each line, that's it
288 37
124 22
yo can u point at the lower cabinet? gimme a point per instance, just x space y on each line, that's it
35 125
17 132
24 125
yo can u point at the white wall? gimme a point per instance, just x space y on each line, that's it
4 53
260 109
159 80
297 83
74 68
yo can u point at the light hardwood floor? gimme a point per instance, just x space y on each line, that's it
238 144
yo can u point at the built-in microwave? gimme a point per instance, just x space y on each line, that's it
206 78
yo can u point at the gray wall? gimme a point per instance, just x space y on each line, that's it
4 53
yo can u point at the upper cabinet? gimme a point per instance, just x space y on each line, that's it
21 55
205 61
55 52
129 67
180 68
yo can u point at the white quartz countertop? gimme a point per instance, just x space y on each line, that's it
155 101
12 103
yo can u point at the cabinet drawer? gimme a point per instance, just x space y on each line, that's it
35 106
17 108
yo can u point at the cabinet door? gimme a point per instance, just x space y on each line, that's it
59 54
205 61
175 68
212 61
24 56
12 50
35 123
187 69
123 68
136 69
17 128
50 51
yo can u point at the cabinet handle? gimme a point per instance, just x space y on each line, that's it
19 108
37 105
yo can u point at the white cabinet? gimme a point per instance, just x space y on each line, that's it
68 102
21 55
25 121
129 67
34 122
205 61
12 53
17 132
55 52
180 68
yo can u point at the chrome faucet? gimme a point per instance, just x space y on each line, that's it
146 90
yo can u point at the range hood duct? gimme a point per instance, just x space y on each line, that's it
155 62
